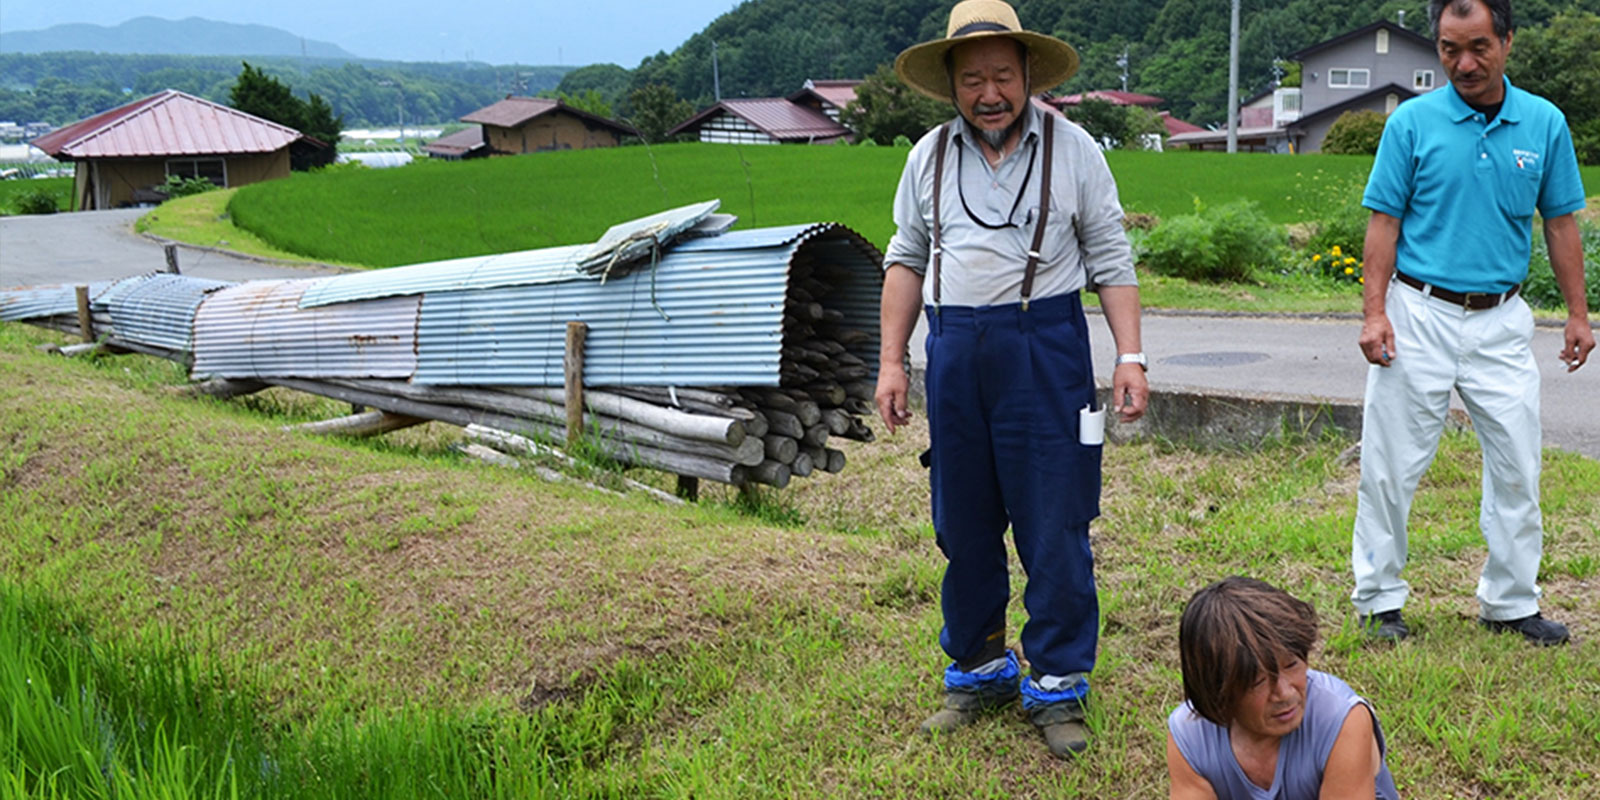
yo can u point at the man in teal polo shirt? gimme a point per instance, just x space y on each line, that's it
1458 177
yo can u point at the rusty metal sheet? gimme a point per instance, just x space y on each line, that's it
259 330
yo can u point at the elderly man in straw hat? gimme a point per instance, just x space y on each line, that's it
1003 215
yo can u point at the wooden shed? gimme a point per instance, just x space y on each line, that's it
123 156
518 125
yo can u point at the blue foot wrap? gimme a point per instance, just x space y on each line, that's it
1033 695
1000 682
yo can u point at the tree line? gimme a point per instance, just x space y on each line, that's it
65 87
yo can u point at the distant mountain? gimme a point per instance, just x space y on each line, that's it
155 36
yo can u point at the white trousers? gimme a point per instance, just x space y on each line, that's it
1485 356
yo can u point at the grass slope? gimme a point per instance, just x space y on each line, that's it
431 211
384 620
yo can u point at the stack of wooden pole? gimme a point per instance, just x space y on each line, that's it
735 435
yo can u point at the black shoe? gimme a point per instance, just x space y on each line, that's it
1385 626
1535 629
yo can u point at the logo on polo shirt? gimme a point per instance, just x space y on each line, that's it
1526 159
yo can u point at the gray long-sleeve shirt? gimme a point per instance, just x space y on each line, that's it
1084 242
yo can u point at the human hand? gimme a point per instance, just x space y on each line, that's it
1580 340
1377 340
891 396
1130 391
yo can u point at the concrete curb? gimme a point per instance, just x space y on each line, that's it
276 262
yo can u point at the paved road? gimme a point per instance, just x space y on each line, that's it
1314 358
101 245
1318 358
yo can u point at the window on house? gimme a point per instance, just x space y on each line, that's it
1383 40
1390 103
212 169
1348 78
1422 79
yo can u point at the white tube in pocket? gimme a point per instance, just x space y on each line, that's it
1091 426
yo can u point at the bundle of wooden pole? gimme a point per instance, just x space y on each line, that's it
736 435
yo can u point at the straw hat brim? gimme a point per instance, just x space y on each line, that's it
1050 62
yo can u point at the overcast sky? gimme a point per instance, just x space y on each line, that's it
576 32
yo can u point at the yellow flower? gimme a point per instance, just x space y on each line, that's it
1361 280
1349 271
1336 251
1317 257
1349 260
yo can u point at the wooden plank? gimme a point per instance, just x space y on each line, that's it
85 323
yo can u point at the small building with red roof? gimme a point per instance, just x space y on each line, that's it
124 156
519 125
763 120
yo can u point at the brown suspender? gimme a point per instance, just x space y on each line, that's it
1044 209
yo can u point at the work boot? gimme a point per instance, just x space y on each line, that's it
962 708
1535 629
1063 727
1384 626
968 695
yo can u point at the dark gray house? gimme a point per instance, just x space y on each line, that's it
1373 68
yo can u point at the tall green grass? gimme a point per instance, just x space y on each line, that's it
435 210
11 191
85 717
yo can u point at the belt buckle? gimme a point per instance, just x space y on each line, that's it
1466 300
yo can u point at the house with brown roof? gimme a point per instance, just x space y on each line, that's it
463 144
124 155
830 96
519 125
763 120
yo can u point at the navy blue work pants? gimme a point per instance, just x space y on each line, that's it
1005 387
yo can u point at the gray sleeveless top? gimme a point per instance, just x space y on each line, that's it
1301 755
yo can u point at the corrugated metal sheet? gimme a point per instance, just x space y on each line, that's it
158 309
169 124
258 329
723 324
45 301
527 267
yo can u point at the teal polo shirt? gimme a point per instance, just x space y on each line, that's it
1465 190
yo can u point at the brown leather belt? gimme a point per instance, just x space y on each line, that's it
1472 301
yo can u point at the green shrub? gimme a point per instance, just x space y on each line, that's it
1355 133
1540 289
37 201
178 186
1343 220
1221 243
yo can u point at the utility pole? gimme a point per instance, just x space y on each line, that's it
1233 79
716 77
1122 61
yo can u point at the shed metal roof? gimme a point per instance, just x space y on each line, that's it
835 92
167 124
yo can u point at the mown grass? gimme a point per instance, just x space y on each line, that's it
202 219
349 619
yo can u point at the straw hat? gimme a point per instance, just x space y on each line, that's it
922 66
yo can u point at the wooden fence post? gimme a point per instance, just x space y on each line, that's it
689 487
171 251
85 322
573 367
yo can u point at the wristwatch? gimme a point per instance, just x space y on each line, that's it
1134 358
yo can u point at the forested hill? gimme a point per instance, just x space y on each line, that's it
155 36
1177 49
64 87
